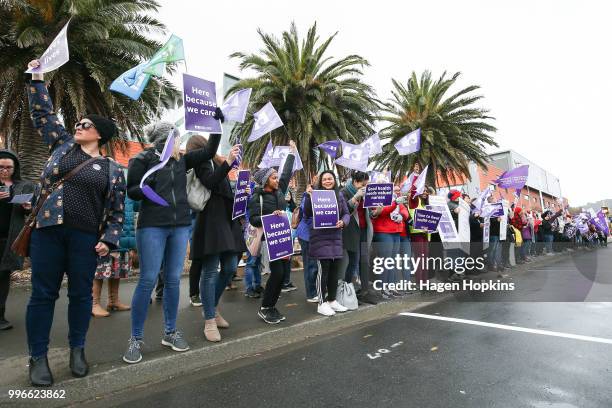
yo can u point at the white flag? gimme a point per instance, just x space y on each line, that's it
266 120
297 162
411 143
235 107
420 181
373 145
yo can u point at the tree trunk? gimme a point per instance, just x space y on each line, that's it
32 151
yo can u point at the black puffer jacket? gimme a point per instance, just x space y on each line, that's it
170 182
273 200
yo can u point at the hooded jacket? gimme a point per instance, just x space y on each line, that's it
169 182
9 261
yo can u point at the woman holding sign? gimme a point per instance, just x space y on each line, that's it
217 239
269 198
158 178
326 241
79 216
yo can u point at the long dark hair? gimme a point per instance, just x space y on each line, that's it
335 189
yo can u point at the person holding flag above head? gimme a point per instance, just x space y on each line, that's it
158 177
78 217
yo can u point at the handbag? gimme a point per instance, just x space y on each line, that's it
253 234
197 194
346 295
21 245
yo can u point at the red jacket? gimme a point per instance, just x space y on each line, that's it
384 224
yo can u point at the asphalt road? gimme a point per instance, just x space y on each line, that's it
529 358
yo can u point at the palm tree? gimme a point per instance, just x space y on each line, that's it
453 130
106 38
318 98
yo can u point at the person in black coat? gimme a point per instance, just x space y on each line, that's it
269 198
217 239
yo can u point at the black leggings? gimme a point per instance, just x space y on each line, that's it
5 285
328 275
278 269
194 277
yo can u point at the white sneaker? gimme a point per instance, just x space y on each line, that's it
313 299
337 307
325 309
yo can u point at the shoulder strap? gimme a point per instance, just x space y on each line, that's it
72 173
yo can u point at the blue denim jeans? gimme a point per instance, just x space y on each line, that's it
213 281
548 242
526 248
157 244
54 251
310 270
387 246
252 272
494 253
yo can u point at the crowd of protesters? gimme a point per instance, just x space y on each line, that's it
93 224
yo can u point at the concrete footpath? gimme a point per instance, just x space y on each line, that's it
247 336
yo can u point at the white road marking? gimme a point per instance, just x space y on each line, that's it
511 328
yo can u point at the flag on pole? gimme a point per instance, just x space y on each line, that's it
266 160
410 143
297 162
353 157
482 198
420 182
514 178
132 82
330 147
373 145
235 107
171 51
266 120
56 54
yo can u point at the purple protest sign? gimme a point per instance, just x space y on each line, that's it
241 197
378 194
200 101
56 55
277 231
163 159
515 178
324 209
426 220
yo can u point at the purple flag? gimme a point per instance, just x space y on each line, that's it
56 55
324 209
266 120
515 178
235 107
163 159
200 103
373 145
601 222
482 198
426 220
410 143
353 157
330 147
266 160
378 194
241 197
277 230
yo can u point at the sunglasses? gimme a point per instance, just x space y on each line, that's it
84 125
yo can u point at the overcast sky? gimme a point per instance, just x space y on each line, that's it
544 66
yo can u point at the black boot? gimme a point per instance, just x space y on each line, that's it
40 374
4 324
78 364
